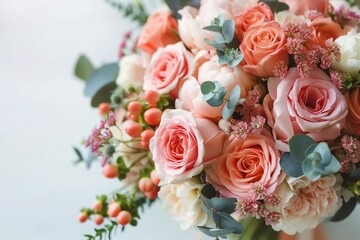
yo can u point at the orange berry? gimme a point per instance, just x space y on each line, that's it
154 177
104 108
153 116
114 209
98 219
132 116
152 97
144 145
124 218
153 194
110 171
82 217
97 206
146 135
134 129
135 107
146 185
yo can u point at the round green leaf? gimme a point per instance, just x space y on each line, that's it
207 87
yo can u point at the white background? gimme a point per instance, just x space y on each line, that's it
43 113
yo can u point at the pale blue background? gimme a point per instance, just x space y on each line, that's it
43 113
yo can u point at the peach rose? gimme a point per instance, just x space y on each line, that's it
300 7
251 17
305 204
131 71
263 47
324 29
353 99
182 144
159 30
244 162
193 20
191 98
168 69
311 106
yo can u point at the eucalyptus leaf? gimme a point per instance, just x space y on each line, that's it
100 77
215 232
83 68
176 5
275 5
207 87
213 28
227 112
228 30
103 94
208 96
208 191
224 204
220 46
346 209
290 166
234 96
215 102
298 144
229 222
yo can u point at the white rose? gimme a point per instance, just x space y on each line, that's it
305 204
350 53
284 16
181 201
131 71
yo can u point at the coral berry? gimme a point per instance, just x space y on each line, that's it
104 108
114 209
152 97
124 218
154 177
135 108
153 116
110 171
97 206
134 129
82 217
146 185
98 219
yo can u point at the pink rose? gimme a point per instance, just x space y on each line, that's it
193 20
299 7
168 69
251 17
311 106
243 163
182 144
191 98
263 46
159 31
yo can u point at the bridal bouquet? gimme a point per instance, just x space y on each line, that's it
241 116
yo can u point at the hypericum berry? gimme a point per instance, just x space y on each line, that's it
104 108
114 209
146 135
152 97
97 206
98 219
110 171
135 108
144 145
124 218
154 177
153 116
134 129
132 116
153 194
146 185
82 217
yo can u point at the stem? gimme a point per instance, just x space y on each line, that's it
137 160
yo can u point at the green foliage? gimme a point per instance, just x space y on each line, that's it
308 158
275 5
176 5
225 42
104 233
135 11
230 105
88 157
345 210
122 168
83 68
219 209
101 83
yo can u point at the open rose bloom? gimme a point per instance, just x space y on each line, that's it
238 114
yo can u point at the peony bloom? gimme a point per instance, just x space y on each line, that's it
159 31
300 7
353 99
191 98
243 163
131 71
182 202
324 29
182 144
305 204
350 53
193 20
312 106
263 47
251 17
168 69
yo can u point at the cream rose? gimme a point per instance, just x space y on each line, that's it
168 69
182 202
350 53
131 71
306 204
182 144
